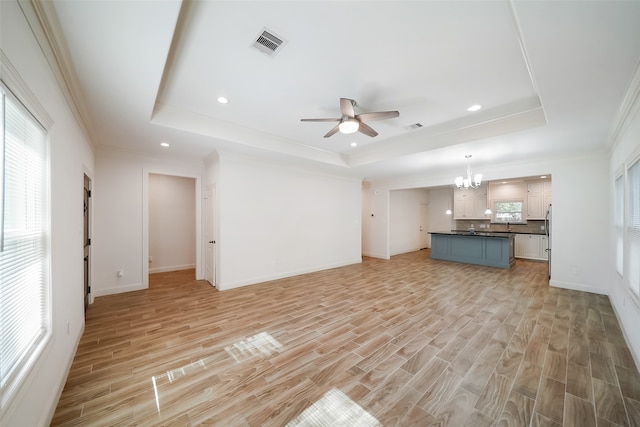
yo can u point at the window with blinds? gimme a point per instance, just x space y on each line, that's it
618 222
24 256
633 225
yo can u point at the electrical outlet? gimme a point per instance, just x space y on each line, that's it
120 273
150 259
542 227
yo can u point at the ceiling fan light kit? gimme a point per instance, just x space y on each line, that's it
350 122
349 126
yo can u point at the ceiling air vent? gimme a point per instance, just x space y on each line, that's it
413 126
268 42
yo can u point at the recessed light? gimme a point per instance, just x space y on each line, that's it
475 107
504 182
223 100
164 144
354 144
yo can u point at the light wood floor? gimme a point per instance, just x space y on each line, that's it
407 341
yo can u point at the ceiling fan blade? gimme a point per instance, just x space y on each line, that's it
346 107
367 130
369 117
320 120
332 131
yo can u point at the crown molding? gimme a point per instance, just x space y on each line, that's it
628 106
44 24
12 80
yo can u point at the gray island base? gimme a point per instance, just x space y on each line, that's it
490 249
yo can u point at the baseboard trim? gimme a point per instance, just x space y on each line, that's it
375 255
578 287
172 268
267 278
46 420
119 289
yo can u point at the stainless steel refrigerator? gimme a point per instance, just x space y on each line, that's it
547 230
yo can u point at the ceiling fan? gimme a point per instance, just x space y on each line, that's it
351 122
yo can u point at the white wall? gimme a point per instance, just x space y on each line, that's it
71 157
172 223
625 303
440 199
277 221
121 217
405 219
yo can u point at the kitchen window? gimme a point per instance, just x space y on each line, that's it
25 319
508 211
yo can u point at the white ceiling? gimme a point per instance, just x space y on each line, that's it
550 76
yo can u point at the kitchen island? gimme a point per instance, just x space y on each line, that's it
490 249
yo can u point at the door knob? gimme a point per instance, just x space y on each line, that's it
212 241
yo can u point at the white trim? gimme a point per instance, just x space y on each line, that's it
47 416
21 92
283 275
625 113
375 255
171 268
46 29
636 357
578 287
120 289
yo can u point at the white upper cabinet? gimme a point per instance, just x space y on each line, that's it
538 199
470 204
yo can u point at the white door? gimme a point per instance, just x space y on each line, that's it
209 235
425 238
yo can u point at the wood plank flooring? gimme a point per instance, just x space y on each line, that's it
401 342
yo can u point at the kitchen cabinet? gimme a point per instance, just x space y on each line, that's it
470 204
538 199
532 246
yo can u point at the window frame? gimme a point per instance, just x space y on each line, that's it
632 288
619 209
12 86
494 218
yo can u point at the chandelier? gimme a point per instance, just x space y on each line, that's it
468 182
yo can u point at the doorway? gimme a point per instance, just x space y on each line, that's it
425 239
86 239
210 239
172 223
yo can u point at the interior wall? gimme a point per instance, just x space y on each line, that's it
440 199
627 306
71 156
278 221
120 207
172 223
405 219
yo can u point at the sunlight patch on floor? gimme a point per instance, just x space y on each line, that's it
260 345
334 409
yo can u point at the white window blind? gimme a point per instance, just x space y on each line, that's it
619 222
24 258
633 226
